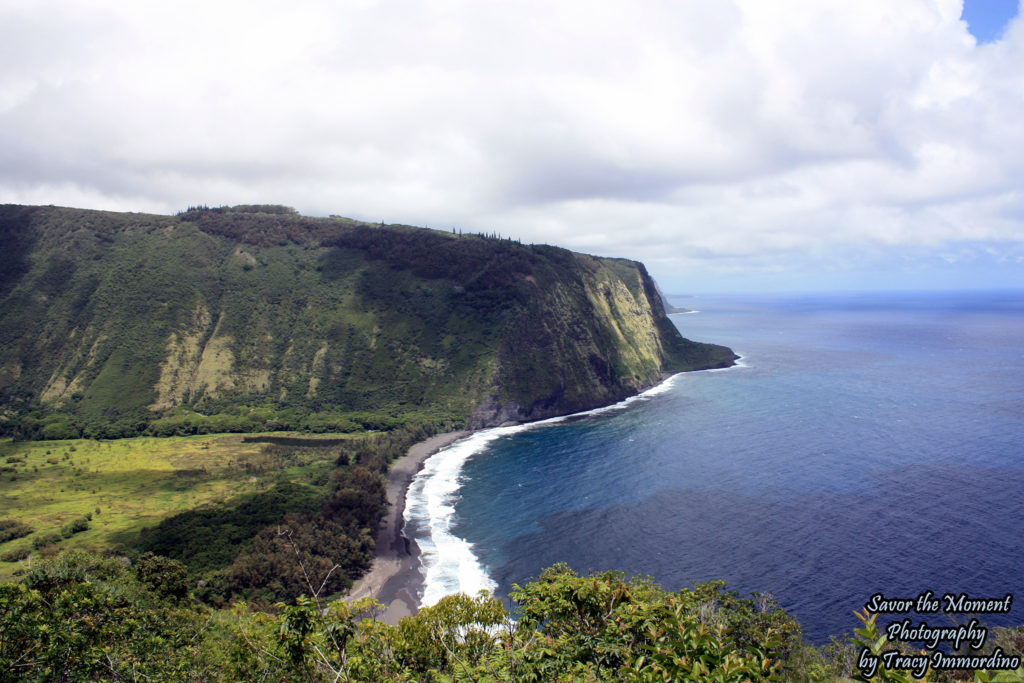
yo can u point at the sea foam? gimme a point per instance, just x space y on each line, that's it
740 362
447 562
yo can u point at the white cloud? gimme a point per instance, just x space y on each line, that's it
716 137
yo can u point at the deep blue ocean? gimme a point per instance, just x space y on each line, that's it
867 443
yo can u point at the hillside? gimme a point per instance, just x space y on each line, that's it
256 318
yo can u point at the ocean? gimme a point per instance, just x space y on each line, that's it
865 443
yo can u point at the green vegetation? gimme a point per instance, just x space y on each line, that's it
11 529
149 534
99 495
234 511
140 355
81 617
254 318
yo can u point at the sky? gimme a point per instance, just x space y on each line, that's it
730 145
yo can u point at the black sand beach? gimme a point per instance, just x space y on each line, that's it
394 577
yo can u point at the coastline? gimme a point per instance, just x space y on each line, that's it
394 576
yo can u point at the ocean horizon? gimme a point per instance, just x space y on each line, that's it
865 443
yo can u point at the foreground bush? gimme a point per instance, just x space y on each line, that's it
80 617
569 628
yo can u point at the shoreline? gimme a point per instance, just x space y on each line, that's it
394 577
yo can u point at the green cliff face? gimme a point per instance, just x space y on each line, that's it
117 324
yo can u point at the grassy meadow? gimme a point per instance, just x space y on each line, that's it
97 495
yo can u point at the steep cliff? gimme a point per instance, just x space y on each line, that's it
258 318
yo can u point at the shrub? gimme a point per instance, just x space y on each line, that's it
11 529
75 526
166 577
60 430
16 555
43 540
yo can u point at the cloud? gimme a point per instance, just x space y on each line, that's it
705 138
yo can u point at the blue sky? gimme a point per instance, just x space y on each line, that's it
986 19
728 144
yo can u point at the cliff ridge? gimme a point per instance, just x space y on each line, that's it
256 318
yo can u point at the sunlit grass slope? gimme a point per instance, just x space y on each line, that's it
119 487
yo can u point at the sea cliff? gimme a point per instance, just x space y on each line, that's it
256 318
